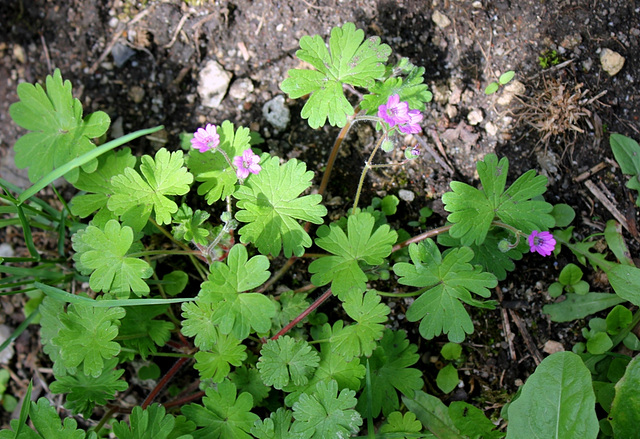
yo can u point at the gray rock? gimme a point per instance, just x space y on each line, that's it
406 195
213 82
440 19
277 113
241 89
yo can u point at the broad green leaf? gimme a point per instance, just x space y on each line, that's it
361 244
360 338
234 311
618 319
451 351
332 366
175 282
624 280
448 282
223 413
625 410
287 360
325 413
276 426
212 170
98 183
399 423
86 337
557 401
103 253
215 363
616 243
433 414
84 391
149 189
472 422
390 373
627 153
563 214
447 378
150 423
473 210
58 133
506 77
270 203
570 274
576 307
349 60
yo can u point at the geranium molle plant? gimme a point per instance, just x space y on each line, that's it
153 276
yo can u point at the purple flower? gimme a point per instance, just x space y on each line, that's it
394 112
205 139
247 163
413 125
542 242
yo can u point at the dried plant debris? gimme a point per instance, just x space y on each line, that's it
559 111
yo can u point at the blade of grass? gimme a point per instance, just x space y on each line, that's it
26 229
19 330
79 161
59 294
50 210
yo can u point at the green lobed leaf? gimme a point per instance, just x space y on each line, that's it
390 373
625 409
223 413
247 379
103 253
188 225
360 338
557 401
212 170
410 89
332 366
58 133
150 423
276 426
348 60
399 423
147 190
286 360
141 332
234 312
84 391
325 413
270 203
47 424
86 337
361 244
448 281
215 363
473 210
98 183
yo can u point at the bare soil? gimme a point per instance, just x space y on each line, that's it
169 42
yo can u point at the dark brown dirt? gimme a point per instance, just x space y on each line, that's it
257 40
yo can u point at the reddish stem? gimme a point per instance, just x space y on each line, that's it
304 313
163 382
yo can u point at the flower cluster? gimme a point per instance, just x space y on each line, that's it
542 242
397 113
205 139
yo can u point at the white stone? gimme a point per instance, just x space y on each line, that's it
611 61
440 19
513 88
551 347
241 89
277 113
213 82
475 117
406 195
7 353
491 129
6 251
